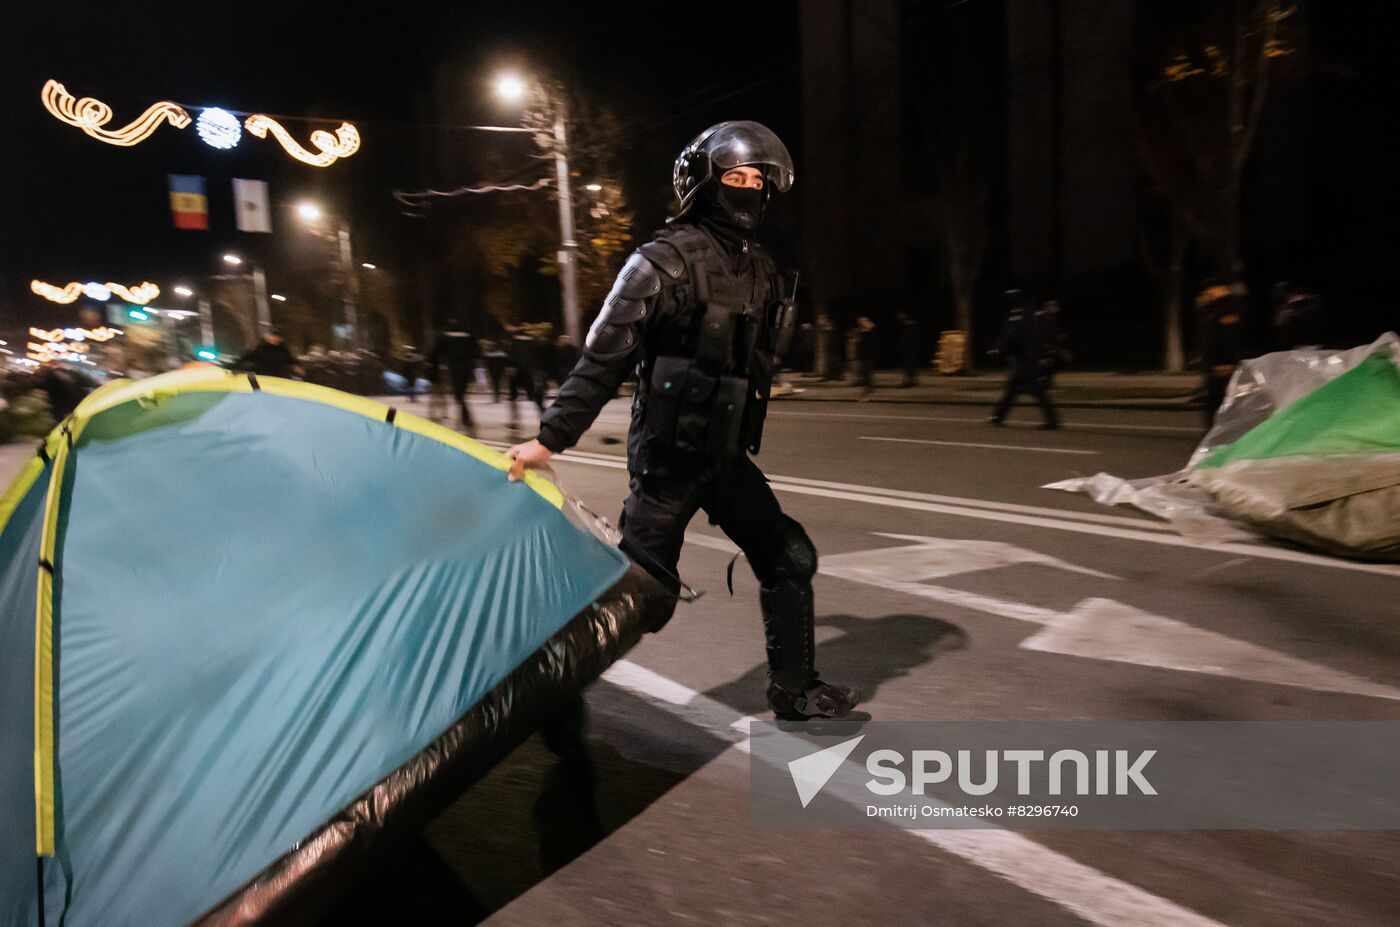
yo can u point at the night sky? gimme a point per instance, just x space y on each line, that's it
1322 193
406 75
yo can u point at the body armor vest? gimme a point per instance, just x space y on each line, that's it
708 368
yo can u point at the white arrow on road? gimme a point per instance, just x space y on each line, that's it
1097 628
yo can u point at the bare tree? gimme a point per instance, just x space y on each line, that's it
1203 80
961 134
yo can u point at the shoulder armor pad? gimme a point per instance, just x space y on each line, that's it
638 279
615 331
664 256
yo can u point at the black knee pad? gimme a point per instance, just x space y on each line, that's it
787 555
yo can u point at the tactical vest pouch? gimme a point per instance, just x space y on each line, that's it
727 417
697 399
663 404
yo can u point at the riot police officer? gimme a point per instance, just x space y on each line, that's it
701 313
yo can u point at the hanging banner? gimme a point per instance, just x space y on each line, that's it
188 202
250 205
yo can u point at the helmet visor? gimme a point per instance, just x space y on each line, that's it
750 144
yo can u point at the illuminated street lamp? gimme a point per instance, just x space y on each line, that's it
232 259
312 214
594 188
513 88
368 266
279 297
184 291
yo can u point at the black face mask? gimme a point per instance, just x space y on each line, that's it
741 207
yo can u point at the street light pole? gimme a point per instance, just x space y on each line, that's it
260 294
568 269
206 322
351 281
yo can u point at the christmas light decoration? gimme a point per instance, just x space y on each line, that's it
219 128
216 127
140 294
91 115
56 294
74 334
344 143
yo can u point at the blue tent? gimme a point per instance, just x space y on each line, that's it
250 625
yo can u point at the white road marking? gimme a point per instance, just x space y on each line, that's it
1033 516
1071 426
1094 629
1101 629
933 558
1260 551
1097 629
996 447
1086 892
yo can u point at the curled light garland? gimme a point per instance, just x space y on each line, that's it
140 294
91 115
100 334
54 294
344 143
51 347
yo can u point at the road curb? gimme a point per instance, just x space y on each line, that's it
1139 405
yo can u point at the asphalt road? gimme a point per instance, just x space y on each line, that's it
661 833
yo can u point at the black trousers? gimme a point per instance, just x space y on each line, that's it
1027 382
742 504
523 380
461 379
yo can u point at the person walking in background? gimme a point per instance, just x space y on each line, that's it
804 349
908 347
833 351
866 352
1030 343
1220 317
270 357
63 386
523 371
457 350
496 362
410 365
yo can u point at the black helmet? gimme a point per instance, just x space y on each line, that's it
725 146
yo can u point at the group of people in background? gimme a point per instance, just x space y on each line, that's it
528 358
522 365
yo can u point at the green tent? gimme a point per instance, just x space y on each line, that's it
252 626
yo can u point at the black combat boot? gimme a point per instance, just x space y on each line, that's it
794 691
820 700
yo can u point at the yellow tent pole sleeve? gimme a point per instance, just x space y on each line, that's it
57 448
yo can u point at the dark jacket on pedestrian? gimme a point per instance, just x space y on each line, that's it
268 360
457 351
1030 342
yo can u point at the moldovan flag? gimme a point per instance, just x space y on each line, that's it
250 208
188 202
